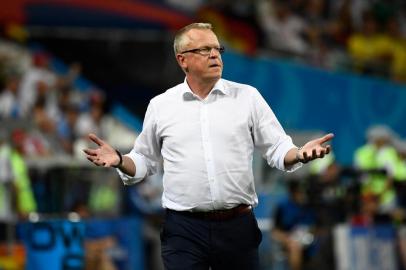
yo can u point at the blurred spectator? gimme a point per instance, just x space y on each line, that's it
91 121
315 14
236 23
16 196
66 127
326 192
352 10
30 144
340 25
319 52
45 130
367 48
39 71
283 29
104 198
331 201
6 177
394 45
378 154
9 103
294 224
97 121
369 211
384 10
402 20
98 244
399 174
145 200
298 6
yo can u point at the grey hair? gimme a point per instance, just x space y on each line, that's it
180 41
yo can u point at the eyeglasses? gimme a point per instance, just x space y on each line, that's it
205 50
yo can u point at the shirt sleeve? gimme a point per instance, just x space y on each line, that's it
269 136
146 153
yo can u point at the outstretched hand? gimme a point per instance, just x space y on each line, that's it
104 155
315 149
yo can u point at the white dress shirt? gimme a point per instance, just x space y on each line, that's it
207 145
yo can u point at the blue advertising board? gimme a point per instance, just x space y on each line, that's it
305 98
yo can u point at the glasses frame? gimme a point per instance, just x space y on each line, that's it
201 50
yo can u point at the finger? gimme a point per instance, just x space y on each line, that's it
96 139
90 152
91 159
305 158
322 153
98 162
95 160
325 138
328 149
314 154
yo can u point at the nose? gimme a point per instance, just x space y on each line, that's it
214 53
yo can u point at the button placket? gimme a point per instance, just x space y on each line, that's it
208 154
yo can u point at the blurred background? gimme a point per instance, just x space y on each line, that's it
68 68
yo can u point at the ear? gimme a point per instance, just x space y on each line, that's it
181 61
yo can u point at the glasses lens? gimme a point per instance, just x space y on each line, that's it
205 50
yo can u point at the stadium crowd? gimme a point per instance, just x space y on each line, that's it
362 36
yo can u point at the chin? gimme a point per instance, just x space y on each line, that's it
214 78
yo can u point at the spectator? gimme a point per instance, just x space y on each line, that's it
399 174
66 127
284 30
377 154
294 222
330 200
394 46
92 120
39 71
369 213
366 49
326 192
15 185
145 200
9 103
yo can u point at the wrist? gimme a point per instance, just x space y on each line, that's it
298 157
120 162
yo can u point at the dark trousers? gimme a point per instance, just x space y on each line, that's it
194 243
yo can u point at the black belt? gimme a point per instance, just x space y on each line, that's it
217 215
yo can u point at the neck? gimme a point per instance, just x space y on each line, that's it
201 87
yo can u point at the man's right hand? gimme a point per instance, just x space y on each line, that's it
104 155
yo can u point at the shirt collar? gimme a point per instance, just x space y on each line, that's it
218 87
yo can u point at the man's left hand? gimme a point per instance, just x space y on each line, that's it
314 149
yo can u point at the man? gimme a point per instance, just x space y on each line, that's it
294 224
205 130
378 154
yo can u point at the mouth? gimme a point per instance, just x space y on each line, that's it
214 65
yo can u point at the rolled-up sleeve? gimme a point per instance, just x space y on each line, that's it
146 153
140 172
269 136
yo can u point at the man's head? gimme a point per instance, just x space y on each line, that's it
380 135
198 52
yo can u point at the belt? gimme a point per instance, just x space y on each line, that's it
217 215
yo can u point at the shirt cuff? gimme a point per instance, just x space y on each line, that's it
283 149
140 169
